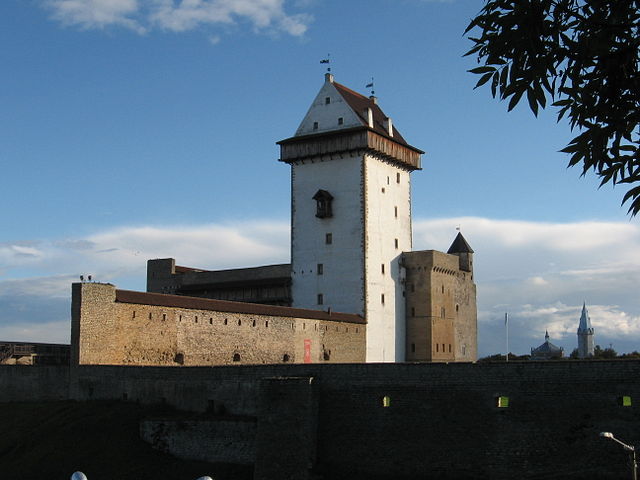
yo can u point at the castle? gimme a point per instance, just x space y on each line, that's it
354 291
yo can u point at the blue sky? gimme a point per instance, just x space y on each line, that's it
136 129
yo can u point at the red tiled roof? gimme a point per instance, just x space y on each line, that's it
162 300
359 104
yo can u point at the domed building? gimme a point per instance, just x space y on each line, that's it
547 351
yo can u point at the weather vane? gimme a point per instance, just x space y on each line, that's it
370 85
328 62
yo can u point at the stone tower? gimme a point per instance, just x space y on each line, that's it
585 334
351 214
441 304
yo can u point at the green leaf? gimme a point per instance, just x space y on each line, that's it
484 69
515 99
484 79
533 104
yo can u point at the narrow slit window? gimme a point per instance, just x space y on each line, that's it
382 268
328 239
320 269
340 121
320 299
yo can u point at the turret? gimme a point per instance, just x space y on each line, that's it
461 248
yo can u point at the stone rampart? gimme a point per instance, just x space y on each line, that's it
19 383
440 420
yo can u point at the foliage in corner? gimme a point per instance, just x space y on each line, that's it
581 55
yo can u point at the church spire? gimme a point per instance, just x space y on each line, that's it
585 334
585 321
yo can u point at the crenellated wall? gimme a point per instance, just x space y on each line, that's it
441 308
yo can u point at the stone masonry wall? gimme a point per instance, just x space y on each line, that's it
442 420
116 332
441 308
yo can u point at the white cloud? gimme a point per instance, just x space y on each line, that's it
96 13
179 15
47 332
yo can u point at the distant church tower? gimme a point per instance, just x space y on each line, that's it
585 334
351 214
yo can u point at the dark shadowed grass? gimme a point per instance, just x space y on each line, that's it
51 440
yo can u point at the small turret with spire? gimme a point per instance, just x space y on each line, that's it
585 334
461 248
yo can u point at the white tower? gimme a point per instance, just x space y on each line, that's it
351 214
585 334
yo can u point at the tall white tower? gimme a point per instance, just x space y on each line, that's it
585 335
351 214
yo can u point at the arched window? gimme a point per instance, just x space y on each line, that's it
285 358
236 357
323 204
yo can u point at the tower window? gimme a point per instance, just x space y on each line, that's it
320 269
396 242
382 268
437 347
340 121
320 299
328 239
395 211
236 357
413 311
323 204
398 177
442 313
413 348
315 125
382 298
327 100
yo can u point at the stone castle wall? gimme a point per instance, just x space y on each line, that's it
116 327
442 420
